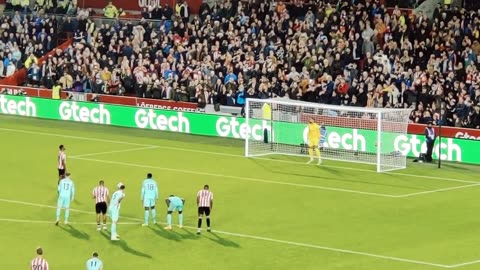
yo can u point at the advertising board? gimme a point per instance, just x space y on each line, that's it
346 138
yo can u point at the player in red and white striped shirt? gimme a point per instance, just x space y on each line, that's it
101 197
61 162
205 205
39 263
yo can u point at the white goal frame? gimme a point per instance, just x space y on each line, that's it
286 115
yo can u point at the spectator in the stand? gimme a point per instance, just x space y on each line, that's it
62 6
66 81
78 36
32 59
25 6
33 75
110 11
78 84
353 53
83 13
68 25
10 69
184 11
71 7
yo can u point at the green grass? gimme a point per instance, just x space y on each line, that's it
272 213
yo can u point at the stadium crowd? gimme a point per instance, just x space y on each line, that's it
23 41
353 53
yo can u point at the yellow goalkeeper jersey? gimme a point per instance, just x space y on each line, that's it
313 131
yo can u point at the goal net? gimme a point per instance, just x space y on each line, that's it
351 134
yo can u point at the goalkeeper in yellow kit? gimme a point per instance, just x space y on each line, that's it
313 139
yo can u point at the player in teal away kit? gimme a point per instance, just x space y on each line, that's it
66 194
114 209
149 197
94 263
174 203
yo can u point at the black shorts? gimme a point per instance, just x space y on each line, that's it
61 172
204 211
101 208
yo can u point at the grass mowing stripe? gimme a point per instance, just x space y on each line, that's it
235 177
276 182
291 243
229 155
51 222
55 207
114 152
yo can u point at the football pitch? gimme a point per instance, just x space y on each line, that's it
269 213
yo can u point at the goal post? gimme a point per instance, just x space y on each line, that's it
350 134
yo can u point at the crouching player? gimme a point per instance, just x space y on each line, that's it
174 203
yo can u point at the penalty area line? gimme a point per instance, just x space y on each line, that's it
267 239
464 264
228 155
437 190
235 177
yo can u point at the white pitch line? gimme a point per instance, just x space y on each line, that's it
434 177
230 155
72 137
147 146
370 171
464 264
346 251
291 243
114 152
235 177
277 182
51 222
436 190
54 207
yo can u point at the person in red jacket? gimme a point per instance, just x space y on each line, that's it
342 88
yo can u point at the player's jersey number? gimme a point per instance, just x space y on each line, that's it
66 186
150 186
37 267
93 264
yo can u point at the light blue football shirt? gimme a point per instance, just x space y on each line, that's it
175 201
116 198
94 264
66 188
149 189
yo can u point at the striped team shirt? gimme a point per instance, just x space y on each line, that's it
204 198
100 194
39 264
62 160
